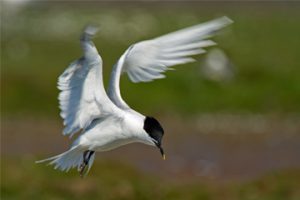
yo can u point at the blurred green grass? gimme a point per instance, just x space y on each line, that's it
113 180
37 45
263 44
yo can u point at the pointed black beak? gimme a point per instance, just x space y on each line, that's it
162 152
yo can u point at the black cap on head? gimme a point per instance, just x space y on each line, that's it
155 131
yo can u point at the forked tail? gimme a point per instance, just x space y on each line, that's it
72 158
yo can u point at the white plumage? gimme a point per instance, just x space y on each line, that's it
105 120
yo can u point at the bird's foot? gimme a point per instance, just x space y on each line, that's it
81 169
86 158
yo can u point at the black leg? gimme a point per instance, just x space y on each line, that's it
86 158
90 155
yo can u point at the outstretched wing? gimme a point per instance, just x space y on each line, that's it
83 98
147 60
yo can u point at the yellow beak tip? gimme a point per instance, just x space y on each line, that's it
164 157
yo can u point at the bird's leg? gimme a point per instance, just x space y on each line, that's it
86 158
83 164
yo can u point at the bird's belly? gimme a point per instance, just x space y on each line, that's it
109 145
109 134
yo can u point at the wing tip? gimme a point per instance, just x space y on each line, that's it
225 20
89 31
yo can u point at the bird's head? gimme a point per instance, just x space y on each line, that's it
155 132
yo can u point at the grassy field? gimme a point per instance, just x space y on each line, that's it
113 180
39 40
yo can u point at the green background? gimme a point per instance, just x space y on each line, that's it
40 39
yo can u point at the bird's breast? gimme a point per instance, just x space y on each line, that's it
112 133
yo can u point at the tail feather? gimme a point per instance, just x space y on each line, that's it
69 159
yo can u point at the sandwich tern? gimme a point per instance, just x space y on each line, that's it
104 120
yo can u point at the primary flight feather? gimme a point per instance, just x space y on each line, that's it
104 120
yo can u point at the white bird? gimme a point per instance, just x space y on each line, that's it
104 119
